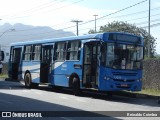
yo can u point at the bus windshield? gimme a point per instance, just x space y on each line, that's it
122 56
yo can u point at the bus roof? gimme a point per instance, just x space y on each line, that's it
83 37
44 41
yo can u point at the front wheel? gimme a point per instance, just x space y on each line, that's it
109 94
76 86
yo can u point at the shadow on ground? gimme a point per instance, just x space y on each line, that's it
121 97
18 104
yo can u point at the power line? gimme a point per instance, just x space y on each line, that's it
37 37
142 17
109 18
36 7
53 32
122 9
105 15
153 25
81 29
98 26
115 12
101 17
135 13
91 20
107 24
145 22
51 10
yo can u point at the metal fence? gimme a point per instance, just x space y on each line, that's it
151 74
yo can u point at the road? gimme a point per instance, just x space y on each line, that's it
15 97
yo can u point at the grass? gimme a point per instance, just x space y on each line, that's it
153 92
3 76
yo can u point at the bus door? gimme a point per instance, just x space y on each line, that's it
46 63
91 64
16 62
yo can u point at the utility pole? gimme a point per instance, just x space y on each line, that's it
9 30
77 21
95 22
149 15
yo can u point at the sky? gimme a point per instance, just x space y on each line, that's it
58 14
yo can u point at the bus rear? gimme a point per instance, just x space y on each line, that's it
121 62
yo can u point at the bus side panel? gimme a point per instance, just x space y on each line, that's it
59 75
73 67
35 72
60 80
33 68
63 70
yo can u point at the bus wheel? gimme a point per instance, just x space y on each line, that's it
109 94
76 86
27 80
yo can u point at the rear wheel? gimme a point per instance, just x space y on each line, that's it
27 80
76 86
109 94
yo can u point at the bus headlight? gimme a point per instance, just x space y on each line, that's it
138 80
106 78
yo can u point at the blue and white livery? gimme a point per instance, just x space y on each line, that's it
110 61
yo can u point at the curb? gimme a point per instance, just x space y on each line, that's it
136 95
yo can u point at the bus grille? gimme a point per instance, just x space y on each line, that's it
122 80
124 74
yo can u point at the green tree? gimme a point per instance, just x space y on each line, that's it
121 26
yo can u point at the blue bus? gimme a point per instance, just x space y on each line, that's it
110 61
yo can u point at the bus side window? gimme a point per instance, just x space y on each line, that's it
27 52
36 52
60 51
73 50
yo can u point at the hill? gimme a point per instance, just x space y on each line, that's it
23 32
27 32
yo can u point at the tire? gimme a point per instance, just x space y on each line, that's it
109 94
27 80
76 86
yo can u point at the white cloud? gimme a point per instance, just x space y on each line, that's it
155 4
53 14
11 7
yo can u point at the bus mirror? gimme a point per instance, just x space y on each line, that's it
1 55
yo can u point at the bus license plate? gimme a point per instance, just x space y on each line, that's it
124 85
